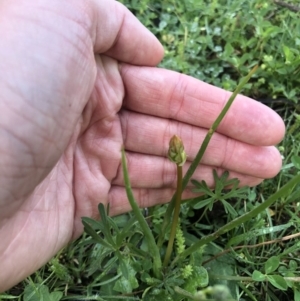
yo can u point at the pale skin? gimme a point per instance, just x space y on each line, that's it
77 81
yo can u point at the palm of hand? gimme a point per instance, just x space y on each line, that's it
50 217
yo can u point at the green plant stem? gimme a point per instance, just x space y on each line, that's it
196 161
283 191
152 247
184 293
175 217
248 279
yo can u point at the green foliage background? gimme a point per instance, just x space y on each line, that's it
219 41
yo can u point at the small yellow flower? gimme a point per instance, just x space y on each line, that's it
176 151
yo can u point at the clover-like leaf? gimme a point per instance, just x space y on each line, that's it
272 264
278 281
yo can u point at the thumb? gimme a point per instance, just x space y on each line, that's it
119 34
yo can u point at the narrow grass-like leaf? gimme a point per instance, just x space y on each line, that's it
112 279
153 248
89 230
201 187
202 204
223 177
125 231
219 182
229 209
107 226
108 222
112 224
245 237
247 291
291 249
96 225
102 213
102 298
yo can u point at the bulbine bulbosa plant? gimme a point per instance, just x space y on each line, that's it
177 155
140 264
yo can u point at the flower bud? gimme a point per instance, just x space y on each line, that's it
176 151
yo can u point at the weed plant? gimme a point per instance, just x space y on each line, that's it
251 245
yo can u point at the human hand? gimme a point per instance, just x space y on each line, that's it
74 89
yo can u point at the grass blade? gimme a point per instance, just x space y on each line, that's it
153 248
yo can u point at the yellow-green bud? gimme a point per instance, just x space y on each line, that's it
176 151
187 271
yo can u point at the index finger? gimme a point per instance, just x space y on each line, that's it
171 95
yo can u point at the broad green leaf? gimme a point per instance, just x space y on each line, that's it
290 284
278 281
200 273
228 50
56 296
293 264
258 276
296 295
122 264
289 56
223 267
40 293
126 285
296 161
272 264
